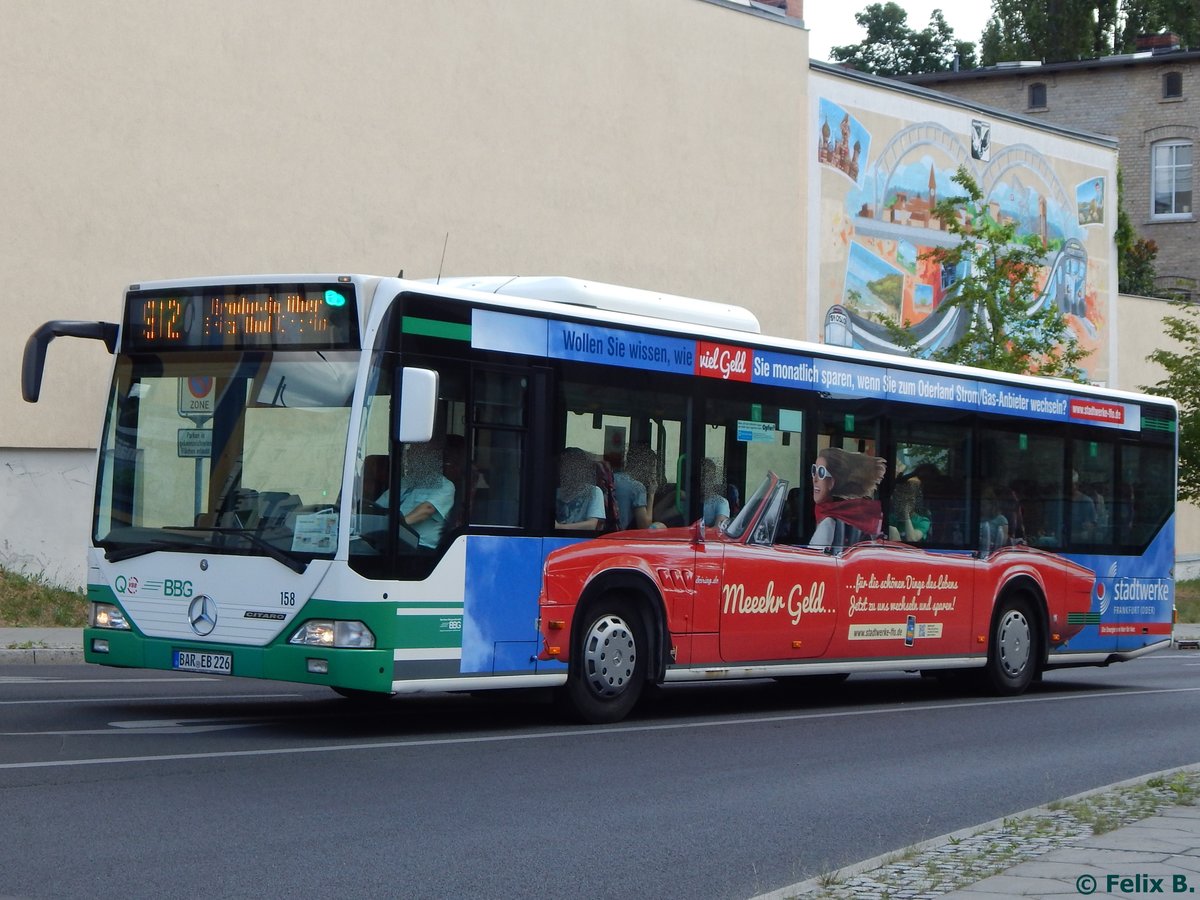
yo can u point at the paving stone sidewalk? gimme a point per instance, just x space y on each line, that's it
1084 845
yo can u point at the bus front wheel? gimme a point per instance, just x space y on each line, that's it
1013 656
608 666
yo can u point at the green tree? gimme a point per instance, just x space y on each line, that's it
1182 384
1135 255
1002 333
1050 30
1156 16
891 47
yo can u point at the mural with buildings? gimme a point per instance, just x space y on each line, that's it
883 164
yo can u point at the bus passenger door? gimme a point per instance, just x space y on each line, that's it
777 602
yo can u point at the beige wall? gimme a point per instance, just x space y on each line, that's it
646 143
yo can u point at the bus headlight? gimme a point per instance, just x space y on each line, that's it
333 633
108 615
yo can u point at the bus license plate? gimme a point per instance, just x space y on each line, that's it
191 661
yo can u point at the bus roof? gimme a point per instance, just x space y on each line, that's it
613 298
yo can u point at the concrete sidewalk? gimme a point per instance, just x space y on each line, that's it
1160 854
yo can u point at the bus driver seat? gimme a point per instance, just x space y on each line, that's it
375 477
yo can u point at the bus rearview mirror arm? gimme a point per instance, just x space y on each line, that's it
33 363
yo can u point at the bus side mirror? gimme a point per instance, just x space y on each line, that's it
417 409
34 360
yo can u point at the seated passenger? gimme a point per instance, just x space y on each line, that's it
634 484
842 484
993 524
716 507
907 521
578 502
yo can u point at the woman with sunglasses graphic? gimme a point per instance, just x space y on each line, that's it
843 484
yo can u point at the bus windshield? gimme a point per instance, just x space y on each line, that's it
241 452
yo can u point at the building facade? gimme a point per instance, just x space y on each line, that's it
1149 101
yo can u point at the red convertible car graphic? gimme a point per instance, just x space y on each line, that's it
691 604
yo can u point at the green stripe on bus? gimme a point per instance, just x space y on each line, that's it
451 331
434 632
1149 424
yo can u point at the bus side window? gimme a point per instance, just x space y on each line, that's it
632 439
743 441
499 426
1092 476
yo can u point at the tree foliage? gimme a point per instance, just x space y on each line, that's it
1155 16
891 47
1049 30
1182 384
1062 30
1135 255
1002 332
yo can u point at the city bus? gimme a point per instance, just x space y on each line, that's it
390 486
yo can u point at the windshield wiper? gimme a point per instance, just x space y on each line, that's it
116 554
296 563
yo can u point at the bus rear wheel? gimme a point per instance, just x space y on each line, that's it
608 666
1013 655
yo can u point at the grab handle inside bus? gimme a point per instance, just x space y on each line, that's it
418 405
34 360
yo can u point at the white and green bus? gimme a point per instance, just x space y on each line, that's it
355 481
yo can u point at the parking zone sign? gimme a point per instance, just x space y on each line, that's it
196 400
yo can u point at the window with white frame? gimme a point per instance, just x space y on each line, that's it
1172 164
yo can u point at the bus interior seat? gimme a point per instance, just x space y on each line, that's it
376 476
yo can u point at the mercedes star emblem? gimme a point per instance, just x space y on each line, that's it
202 614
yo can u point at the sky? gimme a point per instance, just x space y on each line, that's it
831 22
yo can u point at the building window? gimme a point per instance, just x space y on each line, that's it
1172 163
1037 95
1172 85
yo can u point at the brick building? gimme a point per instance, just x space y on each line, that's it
1149 101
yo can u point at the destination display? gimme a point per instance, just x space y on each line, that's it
242 317
686 356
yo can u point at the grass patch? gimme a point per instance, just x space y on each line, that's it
30 601
1187 600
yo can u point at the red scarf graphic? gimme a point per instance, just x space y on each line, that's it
865 515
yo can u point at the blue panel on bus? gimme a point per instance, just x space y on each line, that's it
583 342
616 347
504 578
1134 598
508 333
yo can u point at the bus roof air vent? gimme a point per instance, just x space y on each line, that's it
613 297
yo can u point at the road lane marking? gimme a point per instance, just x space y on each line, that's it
149 699
576 732
159 726
35 679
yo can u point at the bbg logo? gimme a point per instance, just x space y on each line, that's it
174 587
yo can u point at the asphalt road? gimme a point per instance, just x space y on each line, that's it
149 784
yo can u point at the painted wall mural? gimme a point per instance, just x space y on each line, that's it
881 173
